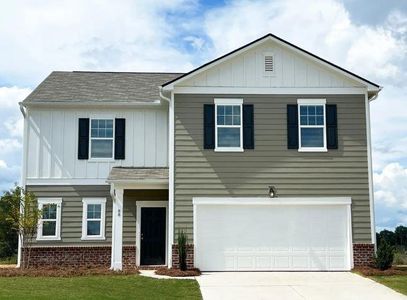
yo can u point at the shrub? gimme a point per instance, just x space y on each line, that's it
400 257
182 250
384 256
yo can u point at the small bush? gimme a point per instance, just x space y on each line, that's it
400 257
384 256
182 250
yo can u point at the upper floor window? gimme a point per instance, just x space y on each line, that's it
312 127
101 138
49 226
93 220
228 125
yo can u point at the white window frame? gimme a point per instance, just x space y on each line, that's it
233 102
102 203
305 102
41 203
101 138
269 73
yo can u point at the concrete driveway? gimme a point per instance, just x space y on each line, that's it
292 286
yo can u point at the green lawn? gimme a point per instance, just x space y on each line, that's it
396 282
97 287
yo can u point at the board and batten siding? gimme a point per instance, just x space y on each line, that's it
52 142
290 70
72 209
205 173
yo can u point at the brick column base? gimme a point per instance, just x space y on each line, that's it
190 256
363 255
129 257
89 257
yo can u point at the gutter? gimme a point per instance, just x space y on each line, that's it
376 95
162 95
22 109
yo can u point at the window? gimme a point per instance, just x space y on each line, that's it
228 131
312 129
101 138
93 219
49 226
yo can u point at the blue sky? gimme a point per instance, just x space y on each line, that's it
366 37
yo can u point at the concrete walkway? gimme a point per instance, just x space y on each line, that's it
292 286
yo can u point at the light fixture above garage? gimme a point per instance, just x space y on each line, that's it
272 191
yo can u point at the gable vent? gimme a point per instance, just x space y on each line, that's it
268 63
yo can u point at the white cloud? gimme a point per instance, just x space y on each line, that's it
3 164
391 196
40 36
10 96
323 27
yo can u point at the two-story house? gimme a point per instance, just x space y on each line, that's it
261 156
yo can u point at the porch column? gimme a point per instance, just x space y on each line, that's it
117 230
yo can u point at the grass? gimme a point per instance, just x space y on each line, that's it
8 260
395 282
97 287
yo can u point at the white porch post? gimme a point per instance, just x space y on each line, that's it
117 230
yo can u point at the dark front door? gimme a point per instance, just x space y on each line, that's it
152 250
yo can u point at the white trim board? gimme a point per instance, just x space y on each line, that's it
269 91
271 201
139 205
65 181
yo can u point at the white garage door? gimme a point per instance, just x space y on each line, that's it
242 234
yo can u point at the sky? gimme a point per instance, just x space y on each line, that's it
368 38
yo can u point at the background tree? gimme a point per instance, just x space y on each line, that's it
401 236
8 235
23 215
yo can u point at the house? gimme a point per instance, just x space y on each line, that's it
261 156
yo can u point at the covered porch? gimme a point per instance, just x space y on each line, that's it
139 217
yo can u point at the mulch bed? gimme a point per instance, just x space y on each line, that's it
62 272
177 272
369 271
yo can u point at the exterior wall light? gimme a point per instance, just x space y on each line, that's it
272 192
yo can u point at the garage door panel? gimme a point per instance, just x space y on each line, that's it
258 237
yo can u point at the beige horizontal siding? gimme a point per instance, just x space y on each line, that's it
71 223
71 211
342 172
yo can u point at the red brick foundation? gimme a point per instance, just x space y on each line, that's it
78 256
363 255
190 256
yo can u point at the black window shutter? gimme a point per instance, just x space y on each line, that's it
209 126
331 127
119 138
248 126
292 126
83 138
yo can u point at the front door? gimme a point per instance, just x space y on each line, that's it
152 250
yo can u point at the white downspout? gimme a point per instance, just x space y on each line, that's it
170 174
370 168
24 112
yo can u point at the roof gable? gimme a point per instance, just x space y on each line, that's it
294 67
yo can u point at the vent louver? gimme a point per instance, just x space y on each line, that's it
268 63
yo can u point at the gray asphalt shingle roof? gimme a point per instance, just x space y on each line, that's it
100 87
133 173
